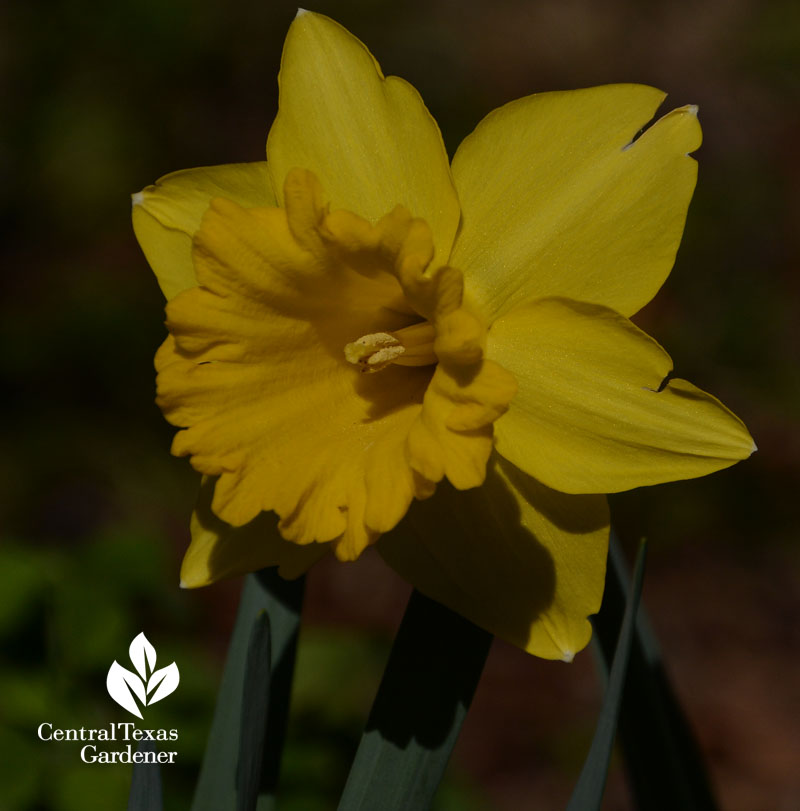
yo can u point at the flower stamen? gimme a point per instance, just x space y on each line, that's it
410 346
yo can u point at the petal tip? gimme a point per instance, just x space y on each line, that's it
137 199
301 12
567 656
193 580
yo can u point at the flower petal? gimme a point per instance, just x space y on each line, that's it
557 201
255 371
219 550
522 561
593 413
167 214
369 139
452 436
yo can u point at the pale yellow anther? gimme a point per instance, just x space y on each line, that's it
373 352
410 346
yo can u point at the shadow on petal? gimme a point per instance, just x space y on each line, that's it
453 549
516 558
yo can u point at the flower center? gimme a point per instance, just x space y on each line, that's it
253 370
410 346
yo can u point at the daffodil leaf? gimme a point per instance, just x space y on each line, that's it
588 792
663 761
430 678
255 712
226 769
145 793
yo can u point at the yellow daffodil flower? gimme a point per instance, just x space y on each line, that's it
384 348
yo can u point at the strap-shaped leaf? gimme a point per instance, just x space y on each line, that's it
145 793
430 678
663 761
218 784
255 713
588 792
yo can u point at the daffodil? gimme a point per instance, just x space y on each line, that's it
369 345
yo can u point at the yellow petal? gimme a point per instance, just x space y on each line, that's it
452 436
167 214
518 559
219 550
591 414
255 372
556 201
369 139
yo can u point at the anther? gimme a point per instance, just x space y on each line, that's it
410 346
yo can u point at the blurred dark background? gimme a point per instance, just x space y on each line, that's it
97 101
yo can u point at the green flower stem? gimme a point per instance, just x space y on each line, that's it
662 757
430 678
242 759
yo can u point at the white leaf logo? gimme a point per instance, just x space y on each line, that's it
142 653
149 686
164 682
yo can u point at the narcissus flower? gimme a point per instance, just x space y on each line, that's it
382 348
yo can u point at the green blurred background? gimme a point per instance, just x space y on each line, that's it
97 101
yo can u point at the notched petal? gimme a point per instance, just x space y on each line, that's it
594 413
545 182
678 129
